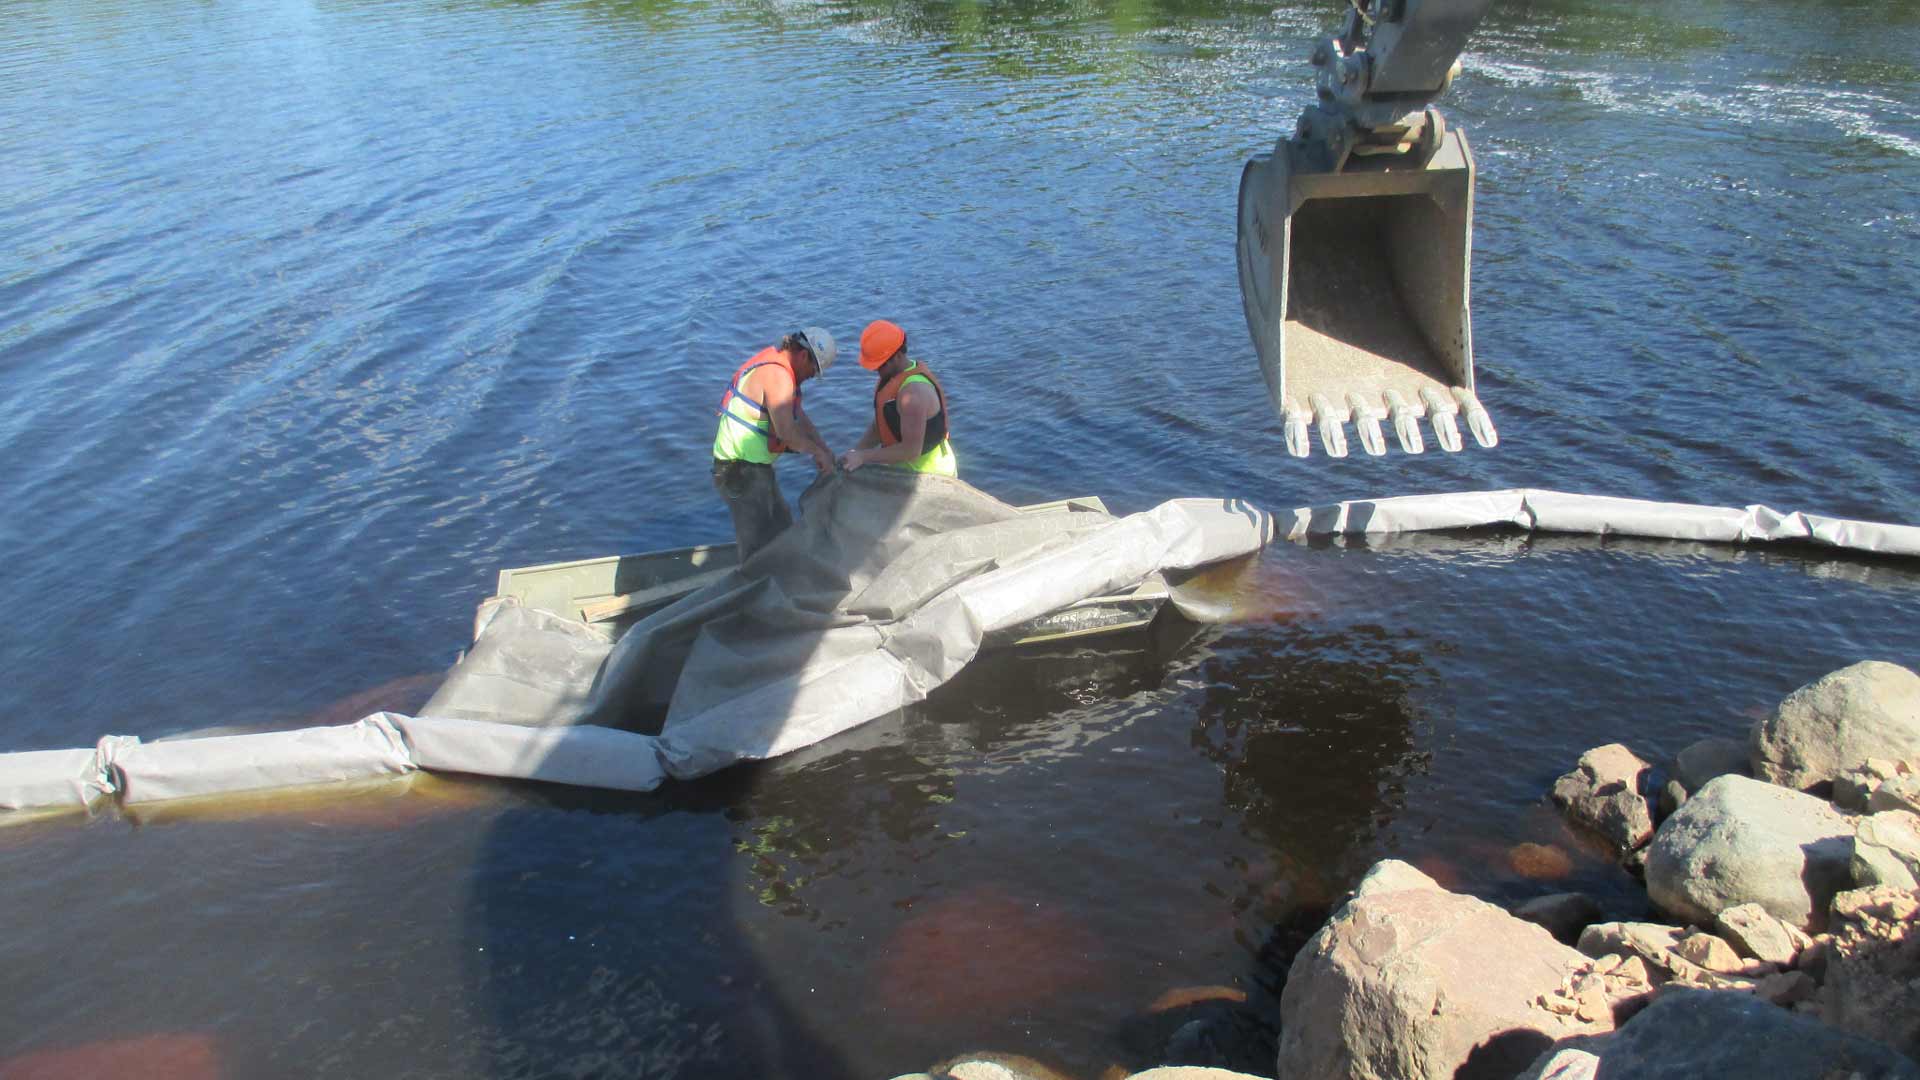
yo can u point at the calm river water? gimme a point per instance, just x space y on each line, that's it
315 314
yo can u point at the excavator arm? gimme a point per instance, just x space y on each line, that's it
1356 240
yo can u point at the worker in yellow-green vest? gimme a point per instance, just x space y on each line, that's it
909 426
760 417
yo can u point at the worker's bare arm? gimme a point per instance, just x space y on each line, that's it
918 404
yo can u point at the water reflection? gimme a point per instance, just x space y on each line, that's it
1315 732
1593 27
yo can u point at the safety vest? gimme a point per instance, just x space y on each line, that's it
936 453
746 428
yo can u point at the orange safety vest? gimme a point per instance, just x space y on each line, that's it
886 408
769 355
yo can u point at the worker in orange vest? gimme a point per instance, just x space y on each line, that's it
761 418
909 428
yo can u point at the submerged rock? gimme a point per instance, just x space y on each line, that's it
1836 723
1210 1027
1539 862
1606 794
1200 1026
1742 841
1690 1034
1230 1040
1673 795
1423 984
1563 915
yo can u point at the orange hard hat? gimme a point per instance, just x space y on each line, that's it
879 341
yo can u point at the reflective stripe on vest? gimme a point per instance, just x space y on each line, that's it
750 437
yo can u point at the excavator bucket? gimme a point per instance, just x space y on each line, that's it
1355 284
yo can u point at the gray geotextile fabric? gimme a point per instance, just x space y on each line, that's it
526 666
869 548
882 590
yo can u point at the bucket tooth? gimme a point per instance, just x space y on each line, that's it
1406 423
1299 444
1366 422
1478 421
1333 437
1441 413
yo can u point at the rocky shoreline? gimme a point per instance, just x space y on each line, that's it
1787 865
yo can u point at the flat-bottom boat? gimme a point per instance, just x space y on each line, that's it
610 594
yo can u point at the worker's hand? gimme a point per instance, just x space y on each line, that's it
823 461
852 460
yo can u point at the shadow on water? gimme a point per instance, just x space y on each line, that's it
1315 733
677 983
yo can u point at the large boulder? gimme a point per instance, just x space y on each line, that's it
1742 841
1606 794
1690 1034
1872 983
1833 725
1418 983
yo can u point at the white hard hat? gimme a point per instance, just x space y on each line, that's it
820 344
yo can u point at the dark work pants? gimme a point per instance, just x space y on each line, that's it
752 494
